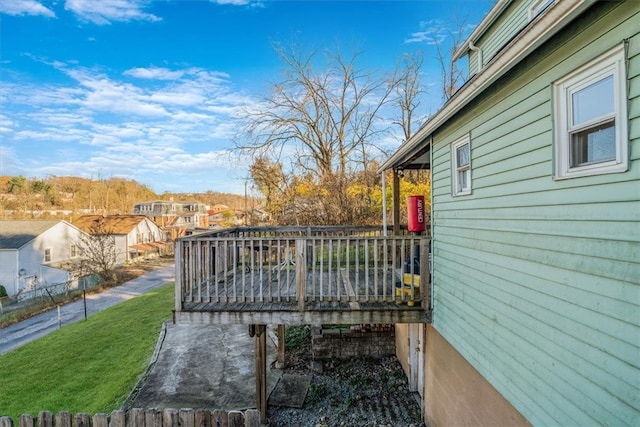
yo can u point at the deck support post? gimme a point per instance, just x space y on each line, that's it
280 360
261 371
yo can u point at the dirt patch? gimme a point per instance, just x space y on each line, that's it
360 391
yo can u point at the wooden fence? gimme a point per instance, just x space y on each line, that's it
141 418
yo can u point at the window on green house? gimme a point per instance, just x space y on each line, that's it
461 173
590 109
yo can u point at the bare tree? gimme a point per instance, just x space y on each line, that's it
451 76
408 91
328 123
98 249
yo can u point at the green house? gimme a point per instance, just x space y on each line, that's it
535 169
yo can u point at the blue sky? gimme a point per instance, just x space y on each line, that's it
151 90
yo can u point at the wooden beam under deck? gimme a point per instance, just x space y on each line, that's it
401 314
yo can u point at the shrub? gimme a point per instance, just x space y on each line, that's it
3 291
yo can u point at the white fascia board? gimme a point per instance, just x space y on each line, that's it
518 49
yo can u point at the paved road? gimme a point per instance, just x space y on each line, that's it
35 327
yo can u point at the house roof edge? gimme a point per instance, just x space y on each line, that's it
521 46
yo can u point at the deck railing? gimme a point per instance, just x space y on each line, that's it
303 267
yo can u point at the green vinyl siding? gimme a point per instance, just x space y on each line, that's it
508 25
473 65
537 282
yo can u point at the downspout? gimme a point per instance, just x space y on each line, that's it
479 52
431 288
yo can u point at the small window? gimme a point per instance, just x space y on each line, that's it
74 251
47 255
591 119
461 152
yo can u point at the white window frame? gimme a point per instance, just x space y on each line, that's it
458 188
609 64
47 255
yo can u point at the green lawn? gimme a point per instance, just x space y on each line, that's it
89 366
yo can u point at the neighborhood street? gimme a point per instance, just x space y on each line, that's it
35 327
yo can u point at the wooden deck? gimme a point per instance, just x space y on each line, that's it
354 276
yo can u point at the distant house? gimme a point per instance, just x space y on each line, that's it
535 168
35 253
136 236
175 219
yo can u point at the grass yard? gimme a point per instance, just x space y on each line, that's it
89 366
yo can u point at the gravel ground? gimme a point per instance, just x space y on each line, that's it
355 392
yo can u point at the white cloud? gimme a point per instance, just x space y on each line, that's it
238 2
138 128
104 12
432 32
25 7
106 95
6 124
154 73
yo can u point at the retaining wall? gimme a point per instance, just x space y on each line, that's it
360 340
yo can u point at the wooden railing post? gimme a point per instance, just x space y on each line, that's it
425 269
301 273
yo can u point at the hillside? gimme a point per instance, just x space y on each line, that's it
69 196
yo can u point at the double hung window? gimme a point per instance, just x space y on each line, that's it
461 172
590 116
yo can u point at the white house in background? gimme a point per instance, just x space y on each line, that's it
34 253
136 236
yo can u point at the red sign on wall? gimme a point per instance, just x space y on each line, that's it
415 213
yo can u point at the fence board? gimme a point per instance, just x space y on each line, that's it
236 419
118 419
82 420
252 418
100 420
26 420
202 418
136 417
170 418
187 418
63 419
219 419
45 419
152 418
6 422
